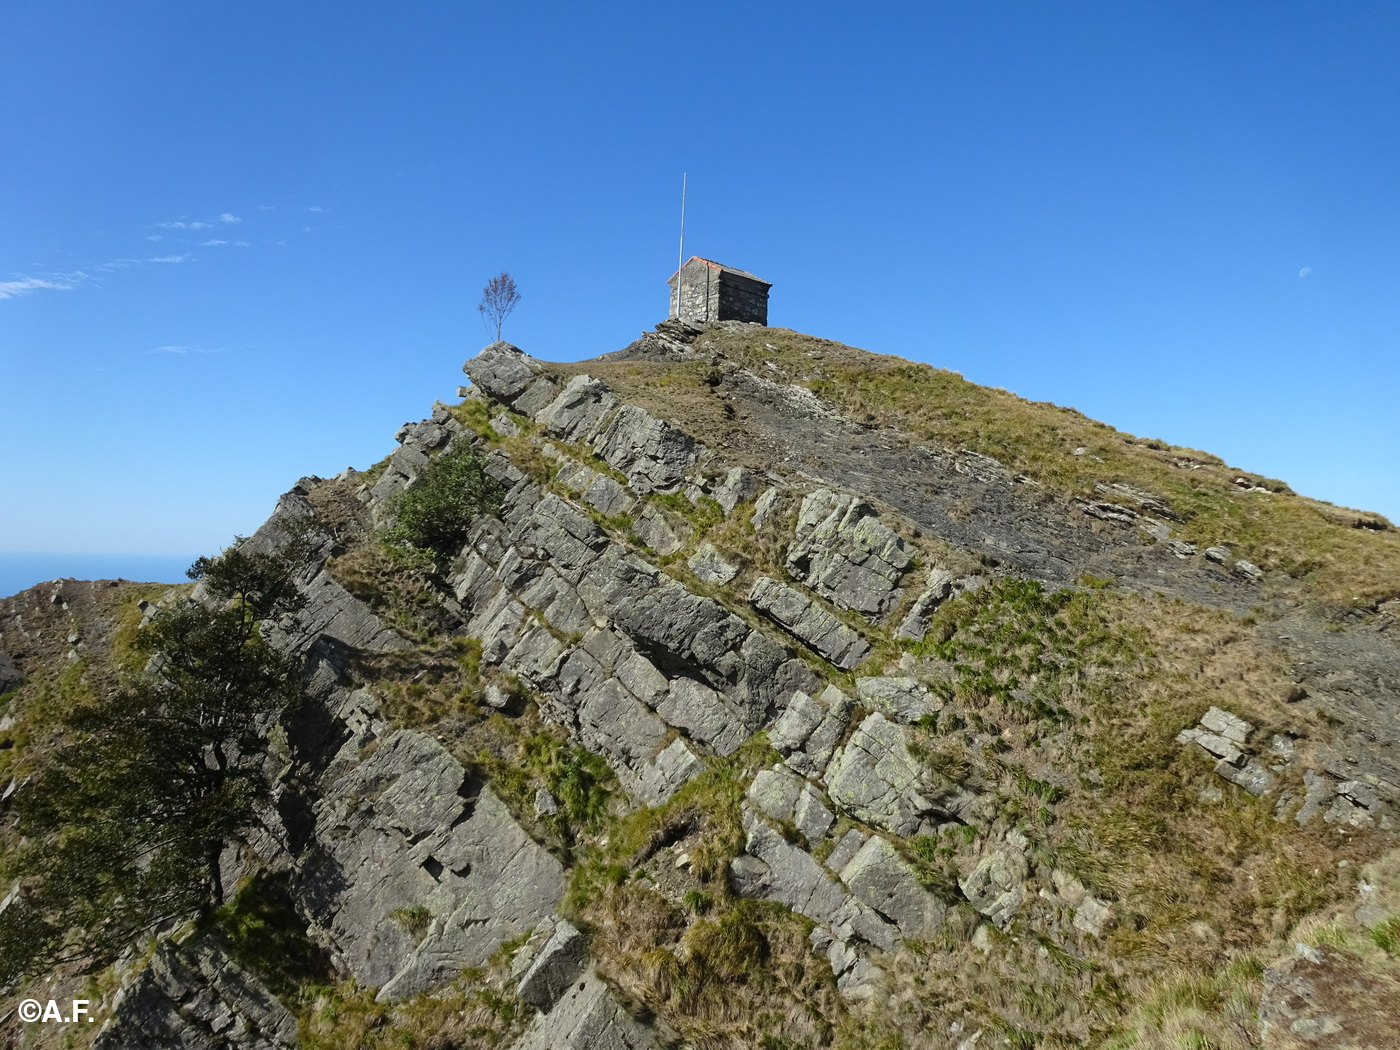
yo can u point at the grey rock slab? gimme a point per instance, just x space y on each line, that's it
794 877
1252 776
1231 727
578 410
880 877
653 529
804 619
738 485
996 886
607 497
811 815
1093 916
503 371
674 765
502 424
586 1017
1318 790
876 780
398 831
655 455
902 699
705 714
1219 555
846 554
556 966
763 507
846 848
194 997
796 723
938 589
710 565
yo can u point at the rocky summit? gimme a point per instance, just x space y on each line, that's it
781 695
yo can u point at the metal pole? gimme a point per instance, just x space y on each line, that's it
680 254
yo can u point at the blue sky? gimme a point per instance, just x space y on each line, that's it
243 242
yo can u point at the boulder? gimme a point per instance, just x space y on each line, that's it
763 507
996 886
738 485
876 780
880 877
503 371
586 1017
655 456
556 966
902 699
654 530
938 589
819 629
708 564
578 410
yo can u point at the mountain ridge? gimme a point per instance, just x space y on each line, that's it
871 701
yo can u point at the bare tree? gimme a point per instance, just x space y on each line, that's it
498 299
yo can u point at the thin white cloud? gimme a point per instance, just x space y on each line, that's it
182 350
315 207
211 244
25 285
242 244
154 237
167 258
229 217
185 225
267 207
306 229
1305 271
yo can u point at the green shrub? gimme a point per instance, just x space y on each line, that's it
434 513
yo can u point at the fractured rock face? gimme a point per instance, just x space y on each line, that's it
194 997
556 965
881 878
587 1017
846 554
399 831
782 795
996 886
578 410
876 780
810 622
807 731
711 566
902 699
655 456
939 588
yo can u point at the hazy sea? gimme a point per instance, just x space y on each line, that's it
19 570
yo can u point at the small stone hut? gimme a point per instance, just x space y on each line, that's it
703 290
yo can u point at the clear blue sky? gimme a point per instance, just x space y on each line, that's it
241 242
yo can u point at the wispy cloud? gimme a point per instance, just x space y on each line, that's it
182 350
185 225
154 237
167 258
25 285
1305 271
229 217
211 244
315 207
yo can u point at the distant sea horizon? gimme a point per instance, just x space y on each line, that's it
20 570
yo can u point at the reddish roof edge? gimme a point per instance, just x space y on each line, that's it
721 267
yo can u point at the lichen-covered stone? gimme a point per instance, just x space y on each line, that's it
902 699
876 780
655 456
846 554
586 1017
806 620
711 566
880 877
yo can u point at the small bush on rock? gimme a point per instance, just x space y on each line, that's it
434 513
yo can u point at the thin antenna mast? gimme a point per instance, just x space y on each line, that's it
680 253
